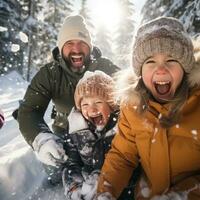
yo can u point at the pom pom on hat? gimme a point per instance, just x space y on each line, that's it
73 28
162 35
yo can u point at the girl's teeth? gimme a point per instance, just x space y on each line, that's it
162 82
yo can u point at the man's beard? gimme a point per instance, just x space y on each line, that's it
71 65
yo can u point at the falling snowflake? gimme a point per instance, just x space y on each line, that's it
194 132
15 47
177 126
153 140
160 116
23 37
2 29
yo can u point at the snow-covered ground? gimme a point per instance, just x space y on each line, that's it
21 173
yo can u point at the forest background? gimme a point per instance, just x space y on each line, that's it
28 34
28 29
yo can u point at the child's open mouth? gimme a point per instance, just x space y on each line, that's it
97 120
162 87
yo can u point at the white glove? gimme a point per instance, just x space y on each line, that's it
72 188
49 150
89 186
74 193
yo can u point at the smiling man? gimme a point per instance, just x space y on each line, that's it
76 55
74 43
56 81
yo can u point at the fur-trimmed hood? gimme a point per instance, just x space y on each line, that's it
126 81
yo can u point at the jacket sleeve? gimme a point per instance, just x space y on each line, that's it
74 162
120 161
34 105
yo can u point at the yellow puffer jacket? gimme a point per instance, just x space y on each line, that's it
170 157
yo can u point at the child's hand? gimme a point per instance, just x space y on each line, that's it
73 192
89 187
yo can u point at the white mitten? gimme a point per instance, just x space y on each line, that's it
49 150
76 194
89 187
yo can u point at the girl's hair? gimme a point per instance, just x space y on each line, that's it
177 102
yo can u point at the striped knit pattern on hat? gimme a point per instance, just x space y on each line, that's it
95 83
73 28
162 35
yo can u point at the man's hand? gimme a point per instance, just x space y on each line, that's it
49 149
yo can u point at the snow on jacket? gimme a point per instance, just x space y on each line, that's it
1 118
87 147
56 82
170 157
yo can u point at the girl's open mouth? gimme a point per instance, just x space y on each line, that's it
162 87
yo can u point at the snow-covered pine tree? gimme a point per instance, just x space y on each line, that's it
154 8
30 28
50 19
187 11
103 41
19 35
86 13
11 55
124 34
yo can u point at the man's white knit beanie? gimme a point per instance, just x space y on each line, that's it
73 28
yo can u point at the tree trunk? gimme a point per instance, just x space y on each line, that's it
30 36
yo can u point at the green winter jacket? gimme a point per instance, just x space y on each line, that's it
56 82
